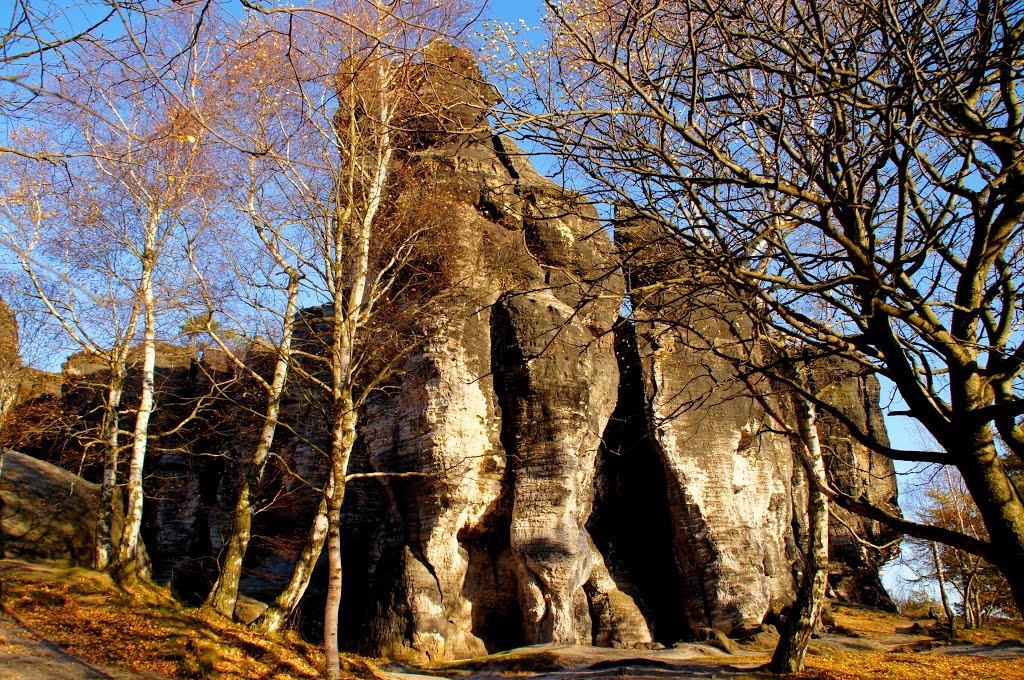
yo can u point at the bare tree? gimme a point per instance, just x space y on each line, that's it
365 247
805 612
981 589
331 117
41 41
854 168
76 308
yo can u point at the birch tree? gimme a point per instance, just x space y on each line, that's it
805 613
92 235
333 146
86 291
256 264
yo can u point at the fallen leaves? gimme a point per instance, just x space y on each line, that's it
85 614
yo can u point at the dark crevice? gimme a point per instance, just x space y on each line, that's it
503 156
491 581
374 541
630 523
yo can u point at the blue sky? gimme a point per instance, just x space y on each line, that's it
510 10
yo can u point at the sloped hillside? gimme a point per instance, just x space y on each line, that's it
80 614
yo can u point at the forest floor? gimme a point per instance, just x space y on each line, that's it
74 624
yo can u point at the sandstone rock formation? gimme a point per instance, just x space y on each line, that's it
575 492
504 408
22 388
8 336
736 496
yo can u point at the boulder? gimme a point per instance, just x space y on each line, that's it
46 513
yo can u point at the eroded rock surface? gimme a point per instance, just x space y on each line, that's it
503 409
735 496
46 512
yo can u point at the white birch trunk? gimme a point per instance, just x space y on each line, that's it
343 438
940 574
805 613
274 616
129 553
349 317
225 591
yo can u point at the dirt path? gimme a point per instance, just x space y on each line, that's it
571 662
27 655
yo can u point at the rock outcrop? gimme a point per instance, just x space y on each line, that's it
540 469
24 390
8 337
46 512
573 491
502 411
736 497
9 362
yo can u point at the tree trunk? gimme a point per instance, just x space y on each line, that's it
806 611
999 503
9 389
940 574
971 602
105 511
224 593
129 552
274 616
342 439
332 608
348 293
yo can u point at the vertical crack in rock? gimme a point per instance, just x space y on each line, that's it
503 156
631 524
728 475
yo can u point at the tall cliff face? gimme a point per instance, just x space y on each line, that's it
581 478
737 495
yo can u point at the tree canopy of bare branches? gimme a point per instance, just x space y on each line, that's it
853 168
